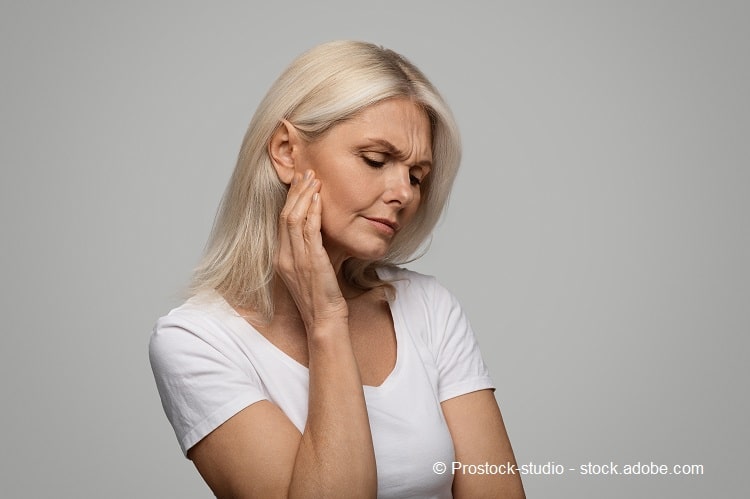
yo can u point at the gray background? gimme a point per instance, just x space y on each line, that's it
597 236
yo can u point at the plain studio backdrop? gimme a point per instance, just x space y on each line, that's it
597 236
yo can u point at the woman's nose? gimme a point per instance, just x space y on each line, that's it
398 187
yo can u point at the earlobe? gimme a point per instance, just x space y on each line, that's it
282 149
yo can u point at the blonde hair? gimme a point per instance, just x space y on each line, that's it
323 87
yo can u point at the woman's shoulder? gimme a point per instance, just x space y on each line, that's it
204 319
201 307
411 282
394 274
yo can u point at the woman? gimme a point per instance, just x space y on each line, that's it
306 364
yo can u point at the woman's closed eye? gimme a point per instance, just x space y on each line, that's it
378 161
375 161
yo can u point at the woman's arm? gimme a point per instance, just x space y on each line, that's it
258 452
479 437
336 456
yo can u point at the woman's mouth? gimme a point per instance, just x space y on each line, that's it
384 225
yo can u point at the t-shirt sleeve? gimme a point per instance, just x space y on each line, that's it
460 365
199 383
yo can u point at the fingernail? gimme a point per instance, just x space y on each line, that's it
308 174
295 179
315 197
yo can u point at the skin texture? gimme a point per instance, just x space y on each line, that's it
350 192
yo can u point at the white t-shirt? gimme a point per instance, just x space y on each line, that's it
210 363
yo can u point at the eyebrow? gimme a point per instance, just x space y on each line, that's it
395 151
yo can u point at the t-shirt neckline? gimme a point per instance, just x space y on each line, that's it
244 327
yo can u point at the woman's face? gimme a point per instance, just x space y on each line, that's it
370 168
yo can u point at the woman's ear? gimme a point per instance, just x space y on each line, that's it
283 149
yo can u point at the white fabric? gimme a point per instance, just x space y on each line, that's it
209 364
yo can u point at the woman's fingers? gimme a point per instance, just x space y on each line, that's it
294 226
312 233
301 260
297 217
283 232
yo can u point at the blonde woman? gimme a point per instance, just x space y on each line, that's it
306 363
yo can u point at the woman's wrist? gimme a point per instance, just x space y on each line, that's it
326 334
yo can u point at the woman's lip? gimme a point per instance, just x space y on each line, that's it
385 226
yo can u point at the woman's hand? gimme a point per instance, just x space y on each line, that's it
301 260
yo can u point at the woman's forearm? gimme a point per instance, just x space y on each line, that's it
335 456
